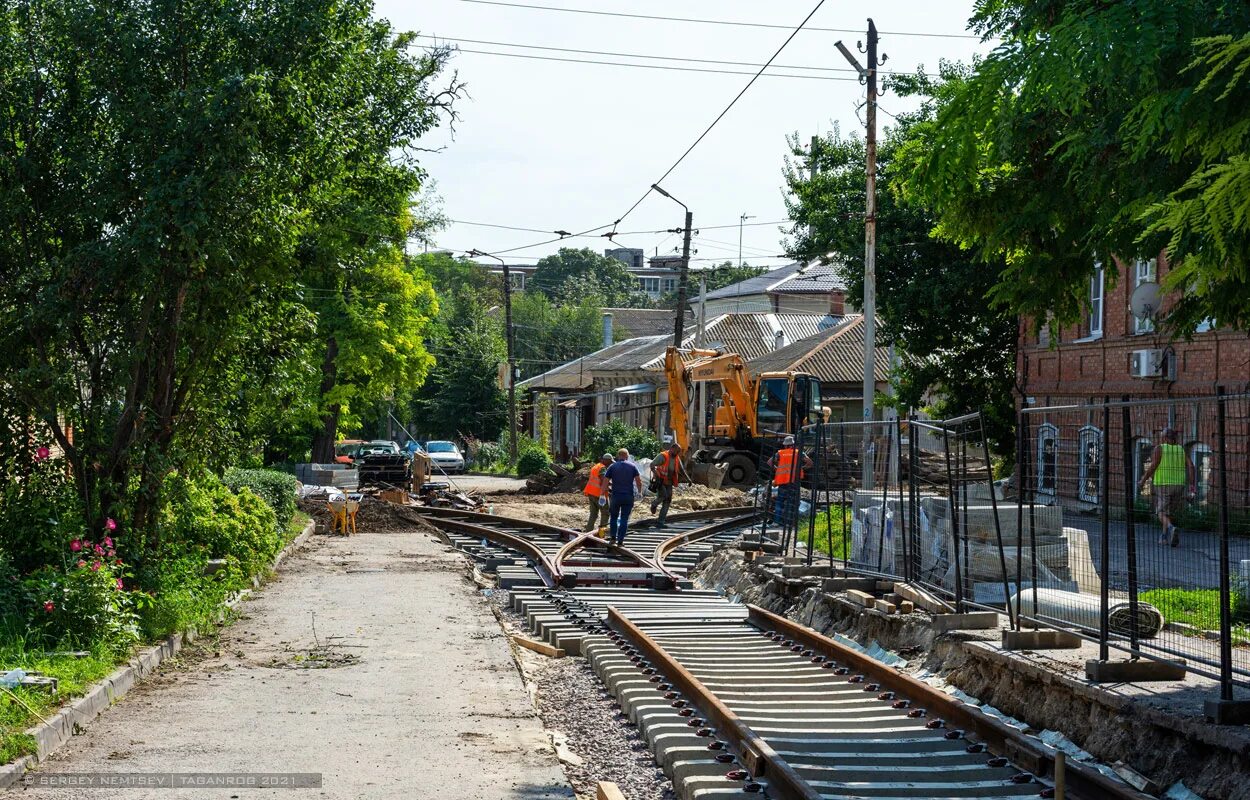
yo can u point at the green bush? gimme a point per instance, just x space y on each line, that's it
531 461
81 606
204 517
613 435
275 488
39 514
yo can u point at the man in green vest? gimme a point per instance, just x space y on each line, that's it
1171 478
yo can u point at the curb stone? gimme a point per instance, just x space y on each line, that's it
50 735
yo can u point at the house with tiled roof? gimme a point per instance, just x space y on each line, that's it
796 288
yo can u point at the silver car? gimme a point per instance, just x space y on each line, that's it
445 456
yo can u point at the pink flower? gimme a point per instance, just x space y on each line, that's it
118 562
110 525
111 552
99 551
75 545
42 454
95 566
108 541
119 584
48 606
81 563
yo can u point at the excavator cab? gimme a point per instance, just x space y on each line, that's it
787 402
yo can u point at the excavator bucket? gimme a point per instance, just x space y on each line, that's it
712 475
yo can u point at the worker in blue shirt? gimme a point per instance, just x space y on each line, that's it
619 482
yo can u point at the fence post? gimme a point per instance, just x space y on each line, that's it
846 480
998 528
954 518
885 496
1022 471
913 495
811 512
1226 593
1104 547
901 520
1130 527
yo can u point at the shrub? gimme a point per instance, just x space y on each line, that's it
613 435
489 454
531 461
83 606
39 513
204 516
275 488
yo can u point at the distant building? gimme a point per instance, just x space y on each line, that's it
657 277
796 288
632 257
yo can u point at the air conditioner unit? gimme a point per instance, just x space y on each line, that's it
1146 364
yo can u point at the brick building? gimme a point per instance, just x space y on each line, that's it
1113 355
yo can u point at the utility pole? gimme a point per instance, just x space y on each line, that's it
742 219
699 337
679 319
869 76
508 333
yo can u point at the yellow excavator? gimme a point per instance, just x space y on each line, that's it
749 420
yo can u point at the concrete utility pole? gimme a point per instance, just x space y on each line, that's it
741 220
869 75
679 321
508 332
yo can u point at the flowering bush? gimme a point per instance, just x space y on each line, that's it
82 606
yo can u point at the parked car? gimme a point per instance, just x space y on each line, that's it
379 447
445 455
346 450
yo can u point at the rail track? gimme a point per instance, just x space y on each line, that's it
738 702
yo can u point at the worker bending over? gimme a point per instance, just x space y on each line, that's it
787 473
665 474
594 493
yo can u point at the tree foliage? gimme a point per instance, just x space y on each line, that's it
1082 135
548 334
931 296
581 275
194 199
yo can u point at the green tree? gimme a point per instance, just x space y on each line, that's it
728 273
451 275
931 296
1075 133
581 275
547 334
164 170
462 395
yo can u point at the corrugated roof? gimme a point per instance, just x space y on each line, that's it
752 334
815 278
834 356
578 373
631 322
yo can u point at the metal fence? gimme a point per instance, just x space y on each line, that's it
1079 538
1141 512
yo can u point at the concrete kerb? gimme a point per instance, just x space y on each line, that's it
50 735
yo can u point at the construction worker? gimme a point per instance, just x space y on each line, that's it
665 474
594 494
786 476
1170 474
620 482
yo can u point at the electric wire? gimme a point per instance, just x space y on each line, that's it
704 21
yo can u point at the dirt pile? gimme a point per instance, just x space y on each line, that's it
374 516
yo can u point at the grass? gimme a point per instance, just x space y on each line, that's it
1199 608
74 675
826 524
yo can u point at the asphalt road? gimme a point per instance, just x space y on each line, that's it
373 662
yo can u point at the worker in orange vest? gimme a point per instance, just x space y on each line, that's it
787 473
594 494
665 474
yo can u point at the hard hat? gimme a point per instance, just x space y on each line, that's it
789 440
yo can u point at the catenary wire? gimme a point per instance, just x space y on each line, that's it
705 21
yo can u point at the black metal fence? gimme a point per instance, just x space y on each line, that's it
1085 536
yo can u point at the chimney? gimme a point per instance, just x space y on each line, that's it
837 303
779 340
607 329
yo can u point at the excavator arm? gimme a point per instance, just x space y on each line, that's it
709 366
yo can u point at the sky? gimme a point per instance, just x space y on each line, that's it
553 145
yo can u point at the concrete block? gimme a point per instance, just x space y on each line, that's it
845 584
804 571
906 607
1227 712
971 621
1134 671
885 606
608 791
863 598
1040 640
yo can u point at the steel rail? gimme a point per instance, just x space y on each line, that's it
544 566
686 516
667 547
586 539
516 522
1083 782
760 759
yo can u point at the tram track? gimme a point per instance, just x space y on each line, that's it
736 701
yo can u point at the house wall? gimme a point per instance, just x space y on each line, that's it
803 304
743 305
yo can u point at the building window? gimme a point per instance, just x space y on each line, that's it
1144 272
670 285
1090 467
1143 449
650 285
1097 285
1200 455
1047 459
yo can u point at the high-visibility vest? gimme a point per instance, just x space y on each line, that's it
785 466
1171 469
594 486
668 469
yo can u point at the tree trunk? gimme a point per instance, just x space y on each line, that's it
323 441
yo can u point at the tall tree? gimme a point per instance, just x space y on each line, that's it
580 275
462 396
162 167
1053 151
931 296
549 334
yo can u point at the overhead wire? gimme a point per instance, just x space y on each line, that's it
705 21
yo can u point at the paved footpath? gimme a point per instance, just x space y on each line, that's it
407 690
